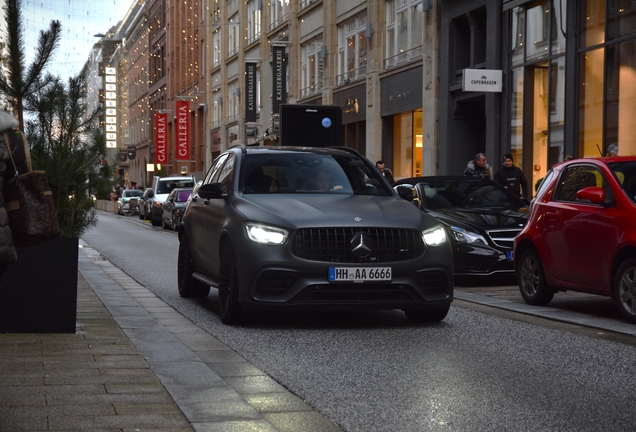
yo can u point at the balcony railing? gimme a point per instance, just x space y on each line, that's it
351 76
311 90
404 57
279 21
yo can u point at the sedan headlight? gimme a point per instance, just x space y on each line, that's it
435 236
265 234
468 237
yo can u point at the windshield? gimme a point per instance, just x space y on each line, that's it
166 186
132 193
465 195
298 172
625 173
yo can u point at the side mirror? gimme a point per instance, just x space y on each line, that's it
405 192
595 195
210 191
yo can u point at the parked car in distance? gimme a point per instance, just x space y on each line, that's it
174 206
581 233
145 202
298 228
481 217
125 197
161 187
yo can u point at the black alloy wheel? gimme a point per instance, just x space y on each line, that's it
531 278
625 289
229 306
188 286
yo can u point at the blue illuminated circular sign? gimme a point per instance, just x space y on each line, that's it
326 122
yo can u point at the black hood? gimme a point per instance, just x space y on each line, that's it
484 219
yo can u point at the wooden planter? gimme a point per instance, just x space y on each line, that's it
38 293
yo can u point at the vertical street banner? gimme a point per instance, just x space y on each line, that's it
250 90
279 87
161 138
183 130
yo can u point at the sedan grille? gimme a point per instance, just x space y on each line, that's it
504 237
333 244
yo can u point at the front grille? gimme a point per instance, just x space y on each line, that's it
504 237
333 244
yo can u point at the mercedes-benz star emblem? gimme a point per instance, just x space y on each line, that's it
361 245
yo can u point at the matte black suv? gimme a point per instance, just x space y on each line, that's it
310 228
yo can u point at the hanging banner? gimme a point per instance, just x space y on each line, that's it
161 138
250 90
279 87
183 130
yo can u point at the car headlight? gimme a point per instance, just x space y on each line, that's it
265 234
435 236
468 237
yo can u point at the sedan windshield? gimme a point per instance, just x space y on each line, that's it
465 195
298 172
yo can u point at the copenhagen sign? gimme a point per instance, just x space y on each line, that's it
482 80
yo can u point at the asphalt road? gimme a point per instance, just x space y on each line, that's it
480 369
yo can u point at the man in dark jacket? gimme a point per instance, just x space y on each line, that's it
386 173
512 178
478 167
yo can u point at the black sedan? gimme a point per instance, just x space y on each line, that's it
174 206
282 228
482 219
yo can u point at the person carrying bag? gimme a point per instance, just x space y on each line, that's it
27 213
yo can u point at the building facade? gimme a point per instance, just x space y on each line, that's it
423 84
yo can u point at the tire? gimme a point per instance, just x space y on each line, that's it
531 278
427 315
141 212
229 307
175 222
163 220
625 289
188 286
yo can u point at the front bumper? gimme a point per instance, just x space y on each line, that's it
469 260
272 278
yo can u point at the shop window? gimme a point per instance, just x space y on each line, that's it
278 12
312 54
591 102
404 31
233 35
352 50
592 22
621 97
621 19
253 21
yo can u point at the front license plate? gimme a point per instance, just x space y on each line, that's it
359 274
509 255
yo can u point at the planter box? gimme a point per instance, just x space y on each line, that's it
38 293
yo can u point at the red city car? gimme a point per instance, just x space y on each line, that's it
581 233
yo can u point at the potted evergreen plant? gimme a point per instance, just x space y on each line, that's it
38 293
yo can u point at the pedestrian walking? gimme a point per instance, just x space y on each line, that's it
512 178
386 173
478 167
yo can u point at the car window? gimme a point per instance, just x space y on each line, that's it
467 194
183 195
577 177
299 172
224 175
216 166
132 193
625 173
167 185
